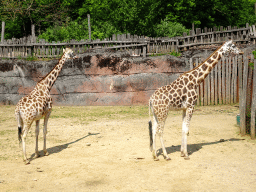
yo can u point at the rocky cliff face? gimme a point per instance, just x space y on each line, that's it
96 78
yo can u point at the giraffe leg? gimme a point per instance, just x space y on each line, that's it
155 124
37 133
163 147
187 114
23 139
45 131
160 132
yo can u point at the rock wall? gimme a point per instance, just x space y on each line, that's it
96 78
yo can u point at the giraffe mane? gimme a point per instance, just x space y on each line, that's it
203 61
51 70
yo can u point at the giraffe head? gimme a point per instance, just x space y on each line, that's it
68 54
229 47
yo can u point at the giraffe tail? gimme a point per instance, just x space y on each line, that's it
150 128
19 133
19 126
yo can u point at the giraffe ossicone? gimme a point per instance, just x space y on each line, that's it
38 104
181 95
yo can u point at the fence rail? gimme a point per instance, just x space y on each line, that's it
136 45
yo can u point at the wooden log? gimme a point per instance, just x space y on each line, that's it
216 85
235 81
223 81
219 82
253 106
212 87
243 97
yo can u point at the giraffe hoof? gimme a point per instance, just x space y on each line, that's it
168 159
156 159
186 158
46 153
26 162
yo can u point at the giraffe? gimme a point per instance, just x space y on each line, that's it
38 104
181 95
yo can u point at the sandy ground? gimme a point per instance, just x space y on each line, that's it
112 154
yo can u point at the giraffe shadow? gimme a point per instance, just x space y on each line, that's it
59 148
192 148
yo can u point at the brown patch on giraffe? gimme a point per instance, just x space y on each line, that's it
190 86
195 73
200 74
170 97
215 55
172 91
185 90
166 101
191 77
210 61
184 98
186 81
204 67
179 92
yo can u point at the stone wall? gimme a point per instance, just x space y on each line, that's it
96 78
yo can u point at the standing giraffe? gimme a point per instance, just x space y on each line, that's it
181 95
38 104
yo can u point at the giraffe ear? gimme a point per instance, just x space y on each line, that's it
64 50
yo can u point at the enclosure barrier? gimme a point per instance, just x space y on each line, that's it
31 46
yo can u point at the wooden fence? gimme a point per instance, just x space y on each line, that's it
136 45
232 80
247 95
221 85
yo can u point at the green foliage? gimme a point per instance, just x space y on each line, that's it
67 19
176 54
170 29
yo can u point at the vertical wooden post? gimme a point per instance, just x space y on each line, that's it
193 28
253 107
2 34
243 98
144 50
89 27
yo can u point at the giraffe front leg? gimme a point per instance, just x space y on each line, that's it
187 114
37 133
45 131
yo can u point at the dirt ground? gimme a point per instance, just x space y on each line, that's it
107 149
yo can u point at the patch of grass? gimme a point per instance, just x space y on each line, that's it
93 113
176 54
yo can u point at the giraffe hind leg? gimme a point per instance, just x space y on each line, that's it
154 128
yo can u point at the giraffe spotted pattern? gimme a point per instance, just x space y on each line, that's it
38 104
181 95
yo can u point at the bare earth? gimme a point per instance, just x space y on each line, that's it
111 152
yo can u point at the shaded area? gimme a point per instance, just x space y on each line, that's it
192 148
59 148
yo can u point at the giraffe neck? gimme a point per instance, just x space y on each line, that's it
201 72
48 81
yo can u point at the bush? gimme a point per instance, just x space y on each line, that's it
170 29
79 30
